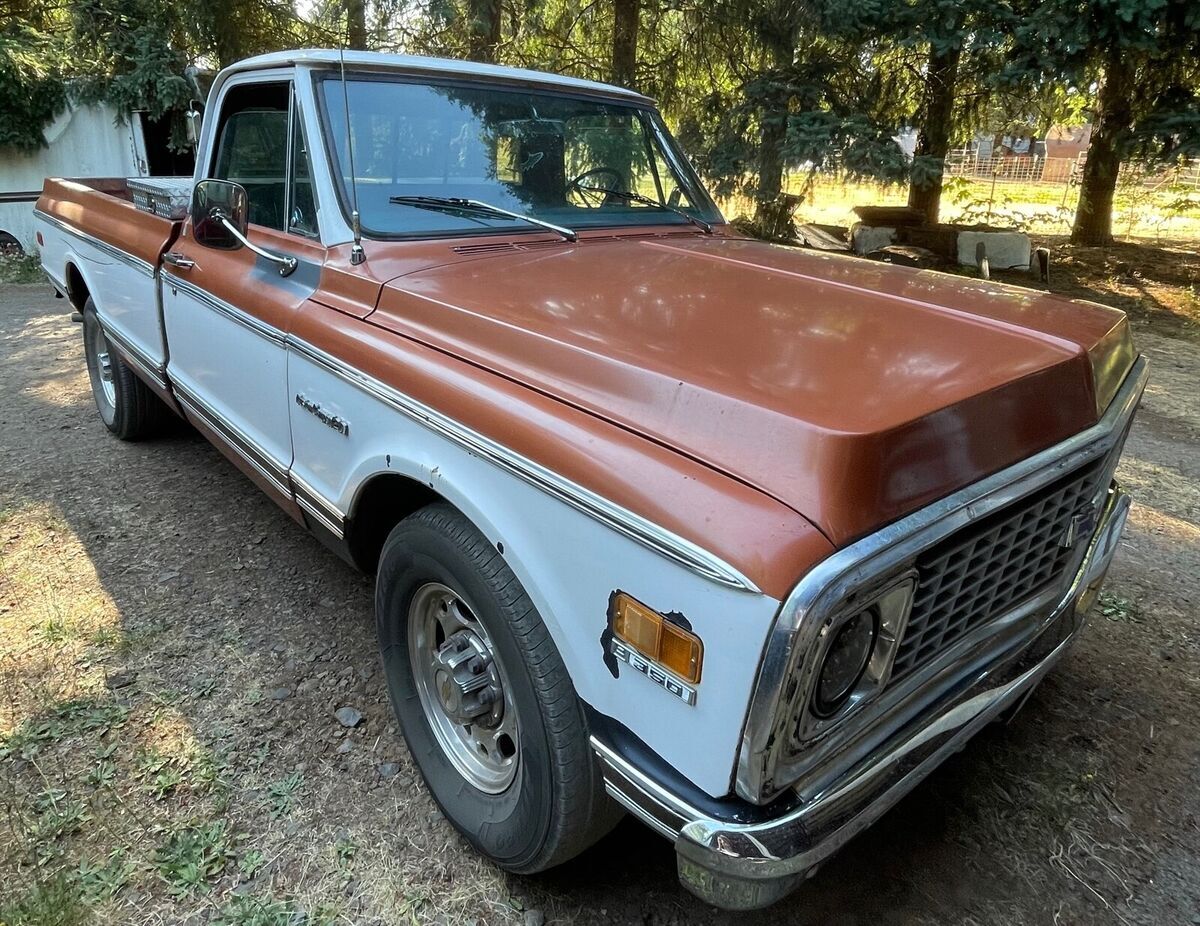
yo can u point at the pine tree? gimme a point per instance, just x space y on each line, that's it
1144 58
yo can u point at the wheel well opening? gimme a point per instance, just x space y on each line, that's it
381 504
77 290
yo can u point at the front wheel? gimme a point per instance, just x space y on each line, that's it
489 712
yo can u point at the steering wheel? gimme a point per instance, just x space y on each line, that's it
580 188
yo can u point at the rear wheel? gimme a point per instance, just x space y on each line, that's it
127 405
489 712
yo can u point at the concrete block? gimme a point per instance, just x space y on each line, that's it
1005 250
868 238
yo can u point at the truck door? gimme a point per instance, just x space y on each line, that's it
227 312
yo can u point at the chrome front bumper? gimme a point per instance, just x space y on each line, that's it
747 865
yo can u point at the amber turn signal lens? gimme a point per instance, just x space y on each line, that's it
657 638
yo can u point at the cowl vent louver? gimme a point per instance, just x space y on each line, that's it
484 248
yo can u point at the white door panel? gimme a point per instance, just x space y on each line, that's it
238 368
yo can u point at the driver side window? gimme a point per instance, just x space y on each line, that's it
252 146
302 203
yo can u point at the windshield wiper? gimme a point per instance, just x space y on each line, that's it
457 204
630 196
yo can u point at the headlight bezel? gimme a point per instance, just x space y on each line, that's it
891 601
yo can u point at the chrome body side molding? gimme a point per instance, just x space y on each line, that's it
137 359
60 285
103 246
263 463
620 519
318 507
230 311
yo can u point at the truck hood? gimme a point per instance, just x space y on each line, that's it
852 391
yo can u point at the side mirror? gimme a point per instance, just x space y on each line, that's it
220 214
191 124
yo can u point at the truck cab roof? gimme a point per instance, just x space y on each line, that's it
422 65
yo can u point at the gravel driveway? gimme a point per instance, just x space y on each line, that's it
173 650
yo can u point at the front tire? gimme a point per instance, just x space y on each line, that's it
489 712
127 406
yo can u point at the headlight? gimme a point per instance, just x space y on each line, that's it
846 659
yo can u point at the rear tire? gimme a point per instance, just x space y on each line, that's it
445 600
127 406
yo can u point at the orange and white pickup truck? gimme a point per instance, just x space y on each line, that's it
740 539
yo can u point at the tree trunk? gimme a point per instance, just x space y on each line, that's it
484 37
1093 216
770 160
773 135
356 24
935 131
626 14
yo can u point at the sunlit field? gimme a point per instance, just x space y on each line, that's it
1041 208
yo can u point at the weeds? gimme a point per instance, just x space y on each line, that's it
20 268
344 849
283 794
161 773
1114 608
258 758
250 862
70 718
256 911
194 857
52 902
208 773
99 882
55 816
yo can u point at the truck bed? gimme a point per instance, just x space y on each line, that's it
97 243
102 209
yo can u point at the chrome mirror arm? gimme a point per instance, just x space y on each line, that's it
287 265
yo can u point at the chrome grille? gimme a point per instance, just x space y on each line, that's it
989 567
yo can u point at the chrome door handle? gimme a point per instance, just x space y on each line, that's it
175 259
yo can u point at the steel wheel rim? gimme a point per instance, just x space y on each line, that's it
98 346
462 688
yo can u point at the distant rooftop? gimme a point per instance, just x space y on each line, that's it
414 64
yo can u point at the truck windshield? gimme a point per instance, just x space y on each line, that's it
550 157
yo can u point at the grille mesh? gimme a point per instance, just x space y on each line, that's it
990 566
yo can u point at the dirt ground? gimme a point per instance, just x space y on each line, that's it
173 649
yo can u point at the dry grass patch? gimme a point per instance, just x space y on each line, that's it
139 786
